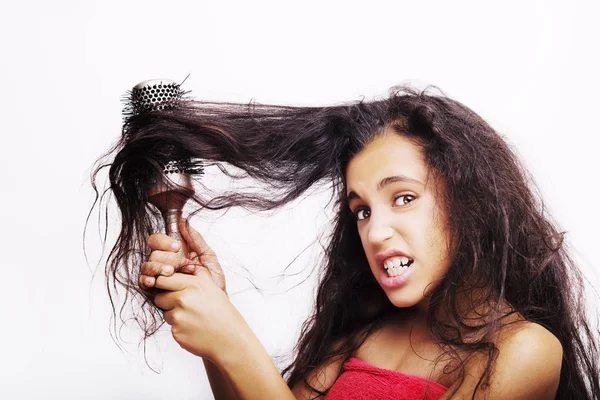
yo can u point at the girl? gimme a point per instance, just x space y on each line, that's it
443 277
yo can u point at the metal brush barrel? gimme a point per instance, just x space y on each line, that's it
169 193
154 95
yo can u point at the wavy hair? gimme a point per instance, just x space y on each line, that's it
503 239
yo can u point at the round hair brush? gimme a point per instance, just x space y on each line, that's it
169 190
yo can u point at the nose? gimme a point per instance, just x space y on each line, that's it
380 229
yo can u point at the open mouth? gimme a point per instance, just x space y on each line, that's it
397 265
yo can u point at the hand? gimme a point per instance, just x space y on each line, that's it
203 320
164 259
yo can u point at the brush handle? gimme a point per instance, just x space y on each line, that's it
172 218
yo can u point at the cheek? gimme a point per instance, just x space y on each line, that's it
438 244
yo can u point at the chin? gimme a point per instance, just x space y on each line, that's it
405 298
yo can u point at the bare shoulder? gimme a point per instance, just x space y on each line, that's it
527 367
529 362
531 341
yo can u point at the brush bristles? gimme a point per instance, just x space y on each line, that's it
155 95
184 167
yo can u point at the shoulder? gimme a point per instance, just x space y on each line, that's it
531 341
527 366
529 355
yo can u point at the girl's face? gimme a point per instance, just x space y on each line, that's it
401 222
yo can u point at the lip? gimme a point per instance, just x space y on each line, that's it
393 282
381 257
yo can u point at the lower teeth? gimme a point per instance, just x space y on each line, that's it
394 271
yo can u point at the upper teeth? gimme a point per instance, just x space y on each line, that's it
395 262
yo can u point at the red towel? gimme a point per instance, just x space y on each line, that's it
362 381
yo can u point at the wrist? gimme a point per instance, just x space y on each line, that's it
239 352
234 339
252 373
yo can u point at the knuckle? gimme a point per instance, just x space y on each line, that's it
160 256
159 241
176 332
179 260
156 269
181 301
146 268
184 270
152 241
188 269
177 319
154 255
150 268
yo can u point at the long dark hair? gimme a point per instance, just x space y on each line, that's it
503 239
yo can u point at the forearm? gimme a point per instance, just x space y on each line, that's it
253 375
220 386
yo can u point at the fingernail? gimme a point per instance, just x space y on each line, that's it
167 270
175 245
148 281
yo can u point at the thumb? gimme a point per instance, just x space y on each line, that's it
196 242
206 256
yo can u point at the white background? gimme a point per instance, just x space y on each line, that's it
529 67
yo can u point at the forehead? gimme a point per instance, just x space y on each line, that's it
388 155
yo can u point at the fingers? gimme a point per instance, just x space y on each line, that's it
205 256
164 260
178 281
169 317
146 282
150 270
168 258
160 241
190 269
195 240
166 301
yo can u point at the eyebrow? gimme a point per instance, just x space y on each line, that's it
387 181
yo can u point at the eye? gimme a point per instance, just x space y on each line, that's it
362 213
403 199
